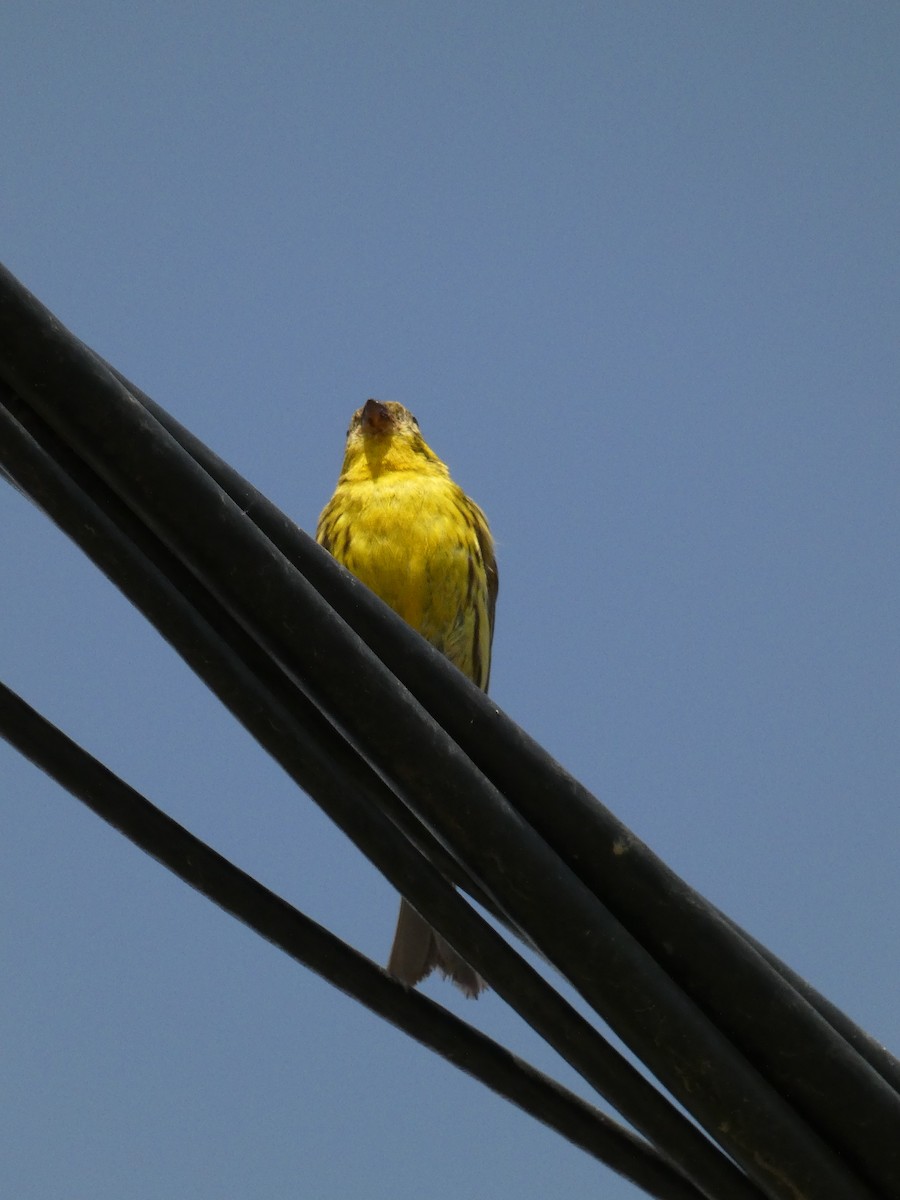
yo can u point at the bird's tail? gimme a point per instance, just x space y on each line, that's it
418 949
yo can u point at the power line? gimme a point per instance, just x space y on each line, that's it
365 710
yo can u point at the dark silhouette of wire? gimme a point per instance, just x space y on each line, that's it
786 1084
684 924
308 943
283 721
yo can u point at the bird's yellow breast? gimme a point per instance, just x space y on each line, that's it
410 537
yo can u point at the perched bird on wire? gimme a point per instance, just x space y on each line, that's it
402 526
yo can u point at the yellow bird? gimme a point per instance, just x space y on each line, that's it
406 530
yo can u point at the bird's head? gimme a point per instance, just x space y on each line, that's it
384 436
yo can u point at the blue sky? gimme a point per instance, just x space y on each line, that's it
634 267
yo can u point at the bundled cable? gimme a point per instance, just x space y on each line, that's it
428 777
306 748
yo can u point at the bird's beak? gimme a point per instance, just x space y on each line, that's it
376 417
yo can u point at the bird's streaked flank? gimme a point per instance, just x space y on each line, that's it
405 529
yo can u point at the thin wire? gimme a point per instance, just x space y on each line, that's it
309 944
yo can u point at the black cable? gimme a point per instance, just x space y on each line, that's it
309 944
747 1137
283 721
112 432
876 1055
679 927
